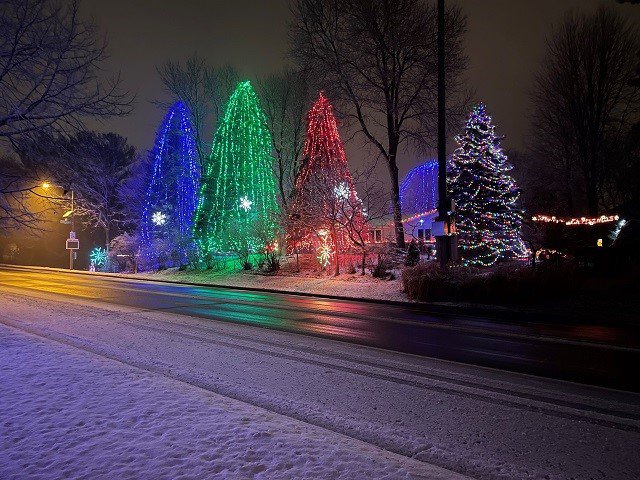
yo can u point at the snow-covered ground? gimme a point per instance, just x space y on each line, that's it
345 285
308 280
68 413
87 385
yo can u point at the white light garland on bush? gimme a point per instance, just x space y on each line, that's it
576 221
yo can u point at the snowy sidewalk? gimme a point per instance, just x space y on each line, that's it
67 413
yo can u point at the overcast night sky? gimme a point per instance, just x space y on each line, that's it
505 43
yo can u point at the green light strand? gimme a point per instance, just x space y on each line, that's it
237 209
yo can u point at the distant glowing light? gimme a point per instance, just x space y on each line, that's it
342 191
576 221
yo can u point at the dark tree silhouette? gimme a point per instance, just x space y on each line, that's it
378 60
50 61
204 89
285 99
586 101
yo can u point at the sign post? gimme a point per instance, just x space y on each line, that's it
72 245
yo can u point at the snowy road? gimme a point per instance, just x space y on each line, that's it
86 384
596 352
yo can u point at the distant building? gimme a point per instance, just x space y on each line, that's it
419 200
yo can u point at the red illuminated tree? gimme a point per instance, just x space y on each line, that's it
324 195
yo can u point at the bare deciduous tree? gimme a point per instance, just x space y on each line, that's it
586 101
359 214
378 59
50 83
23 201
97 167
285 98
103 164
203 88
50 63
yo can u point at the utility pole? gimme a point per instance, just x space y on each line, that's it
446 244
73 231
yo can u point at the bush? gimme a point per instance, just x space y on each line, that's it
271 263
381 269
413 254
511 282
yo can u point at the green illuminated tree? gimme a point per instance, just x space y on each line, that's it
237 207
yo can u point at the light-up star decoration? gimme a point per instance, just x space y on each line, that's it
325 251
98 256
158 219
245 203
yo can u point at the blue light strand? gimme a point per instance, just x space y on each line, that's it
175 179
419 190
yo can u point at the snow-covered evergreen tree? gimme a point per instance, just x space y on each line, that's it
488 219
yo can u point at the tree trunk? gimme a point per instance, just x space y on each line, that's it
592 200
364 261
395 196
334 240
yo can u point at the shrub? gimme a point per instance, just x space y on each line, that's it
381 269
413 254
511 282
271 263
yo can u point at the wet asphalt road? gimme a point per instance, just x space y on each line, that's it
603 355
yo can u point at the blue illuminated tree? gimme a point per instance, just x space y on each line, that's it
488 219
173 188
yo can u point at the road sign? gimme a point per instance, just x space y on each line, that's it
73 244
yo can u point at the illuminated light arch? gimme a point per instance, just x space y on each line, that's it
419 190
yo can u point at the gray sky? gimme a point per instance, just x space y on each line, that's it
505 44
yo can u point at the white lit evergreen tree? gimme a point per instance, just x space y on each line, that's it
488 220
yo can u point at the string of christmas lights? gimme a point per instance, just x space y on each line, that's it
488 220
237 207
419 215
324 192
175 176
576 221
419 190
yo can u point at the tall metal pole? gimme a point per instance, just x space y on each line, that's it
442 138
73 229
445 241
443 214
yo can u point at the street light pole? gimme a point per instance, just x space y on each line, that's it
47 185
73 229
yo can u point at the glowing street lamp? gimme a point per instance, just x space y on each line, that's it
71 213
